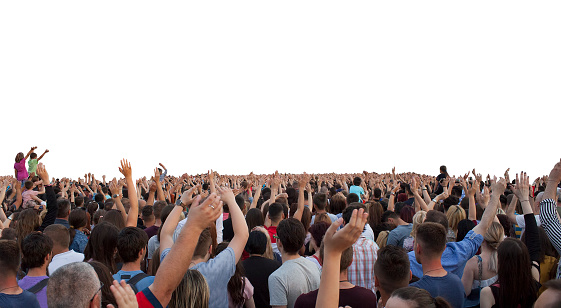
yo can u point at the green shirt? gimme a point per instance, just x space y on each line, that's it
32 166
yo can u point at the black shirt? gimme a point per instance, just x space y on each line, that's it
228 230
258 270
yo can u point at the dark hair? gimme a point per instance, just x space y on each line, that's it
377 193
78 218
158 207
444 170
514 261
406 214
420 297
204 243
79 201
352 198
102 244
463 228
275 211
292 195
389 214
438 217
236 285
99 198
256 243
337 204
392 268
507 225
432 238
448 202
115 218
356 181
254 218
28 184
291 234
63 208
9 234
105 277
148 213
317 230
320 201
33 155
10 257
130 242
348 212
375 212
35 248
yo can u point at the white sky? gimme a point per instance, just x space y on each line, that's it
316 86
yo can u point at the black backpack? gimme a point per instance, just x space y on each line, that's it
39 286
132 281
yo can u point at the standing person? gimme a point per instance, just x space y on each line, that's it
297 275
61 241
401 231
19 167
240 289
392 272
131 246
320 203
443 174
33 161
11 294
37 250
357 189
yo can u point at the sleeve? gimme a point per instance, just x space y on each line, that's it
550 222
219 228
277 292
466 248
52 208
146 299
532 237
520 221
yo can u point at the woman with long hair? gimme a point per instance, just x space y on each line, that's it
78 221
240 290
418 219
102 245
105 277
254 218
28 221
455 214
481 270
375 211
411 297
192 292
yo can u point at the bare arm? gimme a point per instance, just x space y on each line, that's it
132 217
304 179
46 151
491 210
238 222
29 153
257 196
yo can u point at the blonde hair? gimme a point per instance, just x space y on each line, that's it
382 239
493 237
192 292
455 214
418 219
269 250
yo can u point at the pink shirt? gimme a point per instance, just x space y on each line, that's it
22 171
27 195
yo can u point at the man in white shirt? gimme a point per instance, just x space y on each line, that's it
61 254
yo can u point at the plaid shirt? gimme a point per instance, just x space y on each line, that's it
361 271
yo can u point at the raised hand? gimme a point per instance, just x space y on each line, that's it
338 241
202 215
42 173
498 187
522 187
226 195
555 174
125 168
124 295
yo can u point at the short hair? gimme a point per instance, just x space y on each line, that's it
130 242
148 213
9 234
10 257
377 193
420 297
240 201
99 198
275 211
63 208
320 201
291 234
392 268
204 243
438 217
72 285
348 212
356 181
432 238
256 243
33 155
346 257
35 248
317 230
389 214
28 184
352 197
79 201
158 207
59 234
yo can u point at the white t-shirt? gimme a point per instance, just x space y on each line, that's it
65 258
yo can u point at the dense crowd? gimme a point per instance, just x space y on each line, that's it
278 240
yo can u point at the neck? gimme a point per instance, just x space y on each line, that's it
288 257
255 255
383 297
433 267
343 281
195 261
38 271
58 250
401 222
131 266
318 211
275 224
148 224
158 222
10 285
62 218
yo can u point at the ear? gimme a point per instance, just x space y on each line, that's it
410 275
376 283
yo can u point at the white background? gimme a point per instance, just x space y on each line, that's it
316 86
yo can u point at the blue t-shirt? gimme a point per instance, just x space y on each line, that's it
357 190
450 287
331 216
24 299
455 255
141 285
397 235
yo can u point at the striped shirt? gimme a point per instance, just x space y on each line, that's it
552 226
361 271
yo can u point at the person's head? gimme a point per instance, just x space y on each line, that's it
63 208
256 243
337 204
98 216
102 245
320 201
346 257
105 277
317 230
463 228
28 185
79 202
99 198
382 239
78 218
348 212
254 218
19 157
352 198
74 285
9 234
375 211
430 241
192 292
36 249
406 214
204 247
148 215
357 181
322 218
418 219
551 297
411 297
391 218
291 235
115 218
443 170
391 269
131 244
507 225
448 202
59 235
377 193
276 212
455 214
28 221
514 261
33 155
438 217
10 258
492 239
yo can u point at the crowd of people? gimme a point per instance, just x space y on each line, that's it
279 240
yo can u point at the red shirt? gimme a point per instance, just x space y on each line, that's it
146 299
272 233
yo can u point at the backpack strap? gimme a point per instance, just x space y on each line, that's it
480 266
136 279
39 286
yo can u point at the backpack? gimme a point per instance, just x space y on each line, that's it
132 281
39 286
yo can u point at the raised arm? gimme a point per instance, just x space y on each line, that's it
177 261
132 217
549 217
491 210
257 195
302 181
212 184
419 202
238 222
29 153
52 205
160 190
46 151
